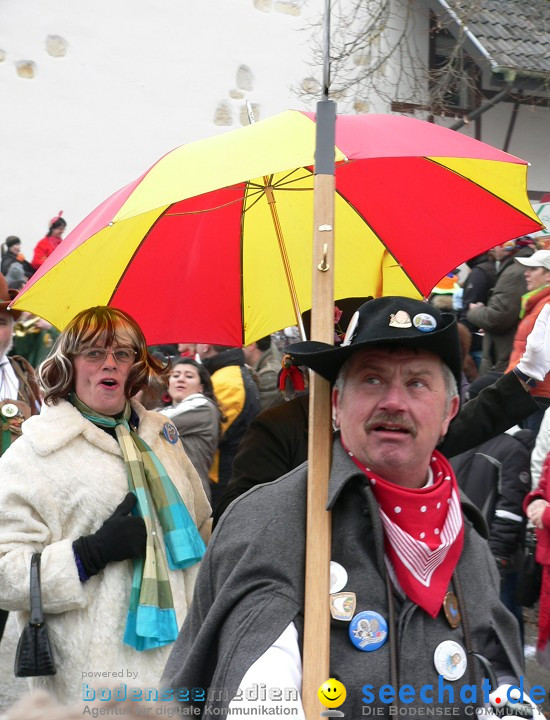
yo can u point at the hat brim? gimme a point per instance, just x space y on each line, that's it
326 360
529 262
4 304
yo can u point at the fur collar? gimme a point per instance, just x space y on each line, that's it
57 425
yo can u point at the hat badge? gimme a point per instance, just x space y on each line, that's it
351 331
400 319
424 322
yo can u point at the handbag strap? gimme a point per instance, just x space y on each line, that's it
37 617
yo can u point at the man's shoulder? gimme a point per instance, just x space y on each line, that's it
512 273
227 376
284 498
285 416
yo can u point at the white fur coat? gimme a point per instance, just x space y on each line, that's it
59 481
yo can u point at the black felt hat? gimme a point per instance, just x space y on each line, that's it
386 321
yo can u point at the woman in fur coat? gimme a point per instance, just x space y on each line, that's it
103 489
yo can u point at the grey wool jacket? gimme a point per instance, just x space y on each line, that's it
250 588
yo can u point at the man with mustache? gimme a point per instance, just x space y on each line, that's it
408 550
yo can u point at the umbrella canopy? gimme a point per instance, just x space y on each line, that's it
191 249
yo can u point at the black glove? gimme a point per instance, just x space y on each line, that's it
121 537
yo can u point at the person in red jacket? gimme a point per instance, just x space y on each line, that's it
537 509
45 247
537 275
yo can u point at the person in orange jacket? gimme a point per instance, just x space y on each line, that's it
537 275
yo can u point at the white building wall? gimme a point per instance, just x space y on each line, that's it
139 78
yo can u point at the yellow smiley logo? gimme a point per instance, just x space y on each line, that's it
331 693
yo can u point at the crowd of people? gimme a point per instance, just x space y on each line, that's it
118 458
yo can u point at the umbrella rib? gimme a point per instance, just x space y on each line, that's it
205 210
284 178
291 189
257 200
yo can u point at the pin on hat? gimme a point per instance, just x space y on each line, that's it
391 320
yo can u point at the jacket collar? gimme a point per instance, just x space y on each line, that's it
343 470
233 356
58 424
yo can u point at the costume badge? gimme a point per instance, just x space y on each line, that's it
9 410
338 577
170 433
401 319
342 605
368 631
450 660
350 332
424 322
450 608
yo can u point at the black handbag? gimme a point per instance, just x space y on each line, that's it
34 654
530 575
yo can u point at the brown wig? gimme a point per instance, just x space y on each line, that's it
98 327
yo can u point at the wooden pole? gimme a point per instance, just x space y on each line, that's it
316 652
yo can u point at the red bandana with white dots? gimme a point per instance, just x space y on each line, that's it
423 532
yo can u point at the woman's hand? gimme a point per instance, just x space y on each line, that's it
535 511
121 537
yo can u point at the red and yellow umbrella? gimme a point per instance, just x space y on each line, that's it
214 242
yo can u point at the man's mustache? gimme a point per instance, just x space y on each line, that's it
391 419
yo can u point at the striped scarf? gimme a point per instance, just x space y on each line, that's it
151 620
525 300
423 532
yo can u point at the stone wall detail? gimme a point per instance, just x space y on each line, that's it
56 46
26 69
244 85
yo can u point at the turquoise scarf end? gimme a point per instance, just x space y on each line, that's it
150 627
184 547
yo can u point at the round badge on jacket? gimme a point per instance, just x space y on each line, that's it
170 433
9 410
450 660
338 577
368 631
